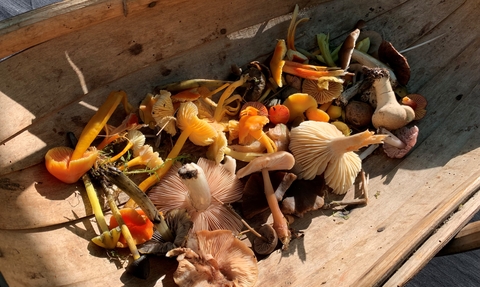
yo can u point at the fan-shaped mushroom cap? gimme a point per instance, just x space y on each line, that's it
324 90
202 132
163 111
171 193
320 147
215 258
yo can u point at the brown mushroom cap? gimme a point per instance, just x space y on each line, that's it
324 90
215 258
399 64
266 245
375 41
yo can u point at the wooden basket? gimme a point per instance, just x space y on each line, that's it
416 204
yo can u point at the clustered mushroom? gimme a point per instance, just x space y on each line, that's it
297 124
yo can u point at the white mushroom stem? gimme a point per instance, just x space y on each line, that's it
391 139
196 182
368 151
279 221
371 62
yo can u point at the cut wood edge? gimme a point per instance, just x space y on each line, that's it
439 239
466 240
40 25
397 255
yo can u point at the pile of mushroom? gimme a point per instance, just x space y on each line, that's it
295 126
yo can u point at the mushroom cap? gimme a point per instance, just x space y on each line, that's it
203 133
171 193
315 150
407 136
388 54
324 90
215 258
163 111
277 62
267 245
280 160
298 103
375 41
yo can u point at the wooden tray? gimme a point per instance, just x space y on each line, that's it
416 204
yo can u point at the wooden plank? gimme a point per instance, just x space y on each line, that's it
41 118
467 239
368 247
439 238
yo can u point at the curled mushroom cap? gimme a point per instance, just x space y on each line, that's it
319 147
215 258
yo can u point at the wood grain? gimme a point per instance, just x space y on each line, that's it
45 225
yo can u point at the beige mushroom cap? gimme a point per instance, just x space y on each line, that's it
215 258
163 111
319 147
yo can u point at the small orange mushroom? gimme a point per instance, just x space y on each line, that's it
137 222
251 124
279 114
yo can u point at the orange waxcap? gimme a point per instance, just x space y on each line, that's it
137 222
58 162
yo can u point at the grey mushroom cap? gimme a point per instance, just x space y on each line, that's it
280 160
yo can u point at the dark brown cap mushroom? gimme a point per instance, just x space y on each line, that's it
399 64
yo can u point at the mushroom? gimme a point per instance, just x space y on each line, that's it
399 144
324 90
399 64
201 189
345 53
198 131
388 113
278 114
320 148
281 160
266 244
300 103
277 62
251 125
163 111
375 41
292 28
70 165
371 62
418 103
215 258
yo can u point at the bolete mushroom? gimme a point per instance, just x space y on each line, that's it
201 189
215 258
281 160
320 148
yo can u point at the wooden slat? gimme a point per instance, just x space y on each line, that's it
439 238
409 198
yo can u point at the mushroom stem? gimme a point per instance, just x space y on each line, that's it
354 142
220 109
118 217
242 156
196 182
371 62
279 221
118 178
229 208
391 139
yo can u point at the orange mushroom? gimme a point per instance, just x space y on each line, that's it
277 62
69 165
137 222
251 124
